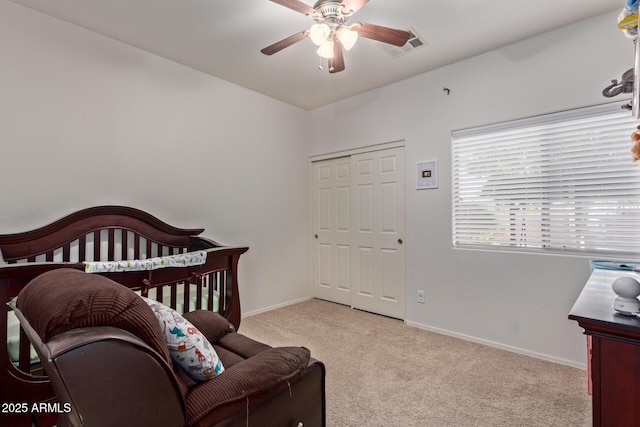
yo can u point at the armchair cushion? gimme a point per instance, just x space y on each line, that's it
64 299
188 347
265 373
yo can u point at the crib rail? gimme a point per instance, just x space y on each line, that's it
112 244
122 233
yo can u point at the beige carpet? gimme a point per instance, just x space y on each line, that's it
383 373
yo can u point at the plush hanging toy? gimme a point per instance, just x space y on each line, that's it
628 19
624 86
635 138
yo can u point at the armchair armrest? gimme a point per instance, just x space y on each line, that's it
212 325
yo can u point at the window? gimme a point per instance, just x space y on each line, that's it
562 182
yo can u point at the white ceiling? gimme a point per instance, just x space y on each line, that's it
224 38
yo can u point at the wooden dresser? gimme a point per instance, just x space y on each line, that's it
615 351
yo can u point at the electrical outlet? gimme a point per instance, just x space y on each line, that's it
421 297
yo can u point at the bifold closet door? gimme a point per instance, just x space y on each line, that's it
332 228
377 232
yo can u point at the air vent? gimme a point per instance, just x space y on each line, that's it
415 41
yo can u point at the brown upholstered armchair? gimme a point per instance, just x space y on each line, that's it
102 348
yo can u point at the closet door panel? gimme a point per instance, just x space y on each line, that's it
378 232
332 228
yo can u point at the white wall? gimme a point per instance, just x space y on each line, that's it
517 300
86 120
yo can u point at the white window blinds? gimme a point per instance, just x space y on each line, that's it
562 182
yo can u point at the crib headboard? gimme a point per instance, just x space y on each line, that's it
106 233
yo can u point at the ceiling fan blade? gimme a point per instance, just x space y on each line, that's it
296 5
382 34
354 5
336 64
278 46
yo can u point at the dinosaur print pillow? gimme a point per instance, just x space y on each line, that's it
189 349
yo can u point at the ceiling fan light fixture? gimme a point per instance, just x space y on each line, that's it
318 33
326 50
329 32
347 37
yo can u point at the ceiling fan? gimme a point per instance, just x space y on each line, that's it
331 33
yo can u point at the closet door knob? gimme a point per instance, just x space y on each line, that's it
400 241
316 236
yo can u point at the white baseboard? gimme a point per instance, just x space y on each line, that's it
274 307
513 349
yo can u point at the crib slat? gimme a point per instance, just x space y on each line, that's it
82 248
159 293
220 289
124 254
186 300
96 246
149 249
66 252
111 244
225 291
212 281
24 358
174 296
199 293
136 246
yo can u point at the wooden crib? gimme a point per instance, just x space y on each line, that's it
103 233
